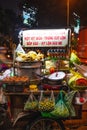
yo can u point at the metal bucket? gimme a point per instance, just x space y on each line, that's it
29 68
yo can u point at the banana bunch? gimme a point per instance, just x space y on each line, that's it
30 56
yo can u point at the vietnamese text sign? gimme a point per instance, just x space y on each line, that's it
45 38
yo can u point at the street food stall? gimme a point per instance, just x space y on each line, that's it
40 84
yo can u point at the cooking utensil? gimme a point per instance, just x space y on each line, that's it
54 76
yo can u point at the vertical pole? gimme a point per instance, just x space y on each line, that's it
67 13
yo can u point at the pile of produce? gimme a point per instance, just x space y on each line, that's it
16 79
33 87
31 105
30 56
46 105
61 109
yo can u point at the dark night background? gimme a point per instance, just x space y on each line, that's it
51 14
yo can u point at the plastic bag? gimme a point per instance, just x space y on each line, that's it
68 100
46 103
61 109
31 103
20 49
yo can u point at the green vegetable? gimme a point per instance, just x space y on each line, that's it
68 100
46 105
31 105
74 59
61 109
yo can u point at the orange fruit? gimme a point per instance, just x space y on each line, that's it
52 70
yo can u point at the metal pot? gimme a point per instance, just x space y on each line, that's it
52 79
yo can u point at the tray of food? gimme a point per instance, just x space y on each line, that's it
18 80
